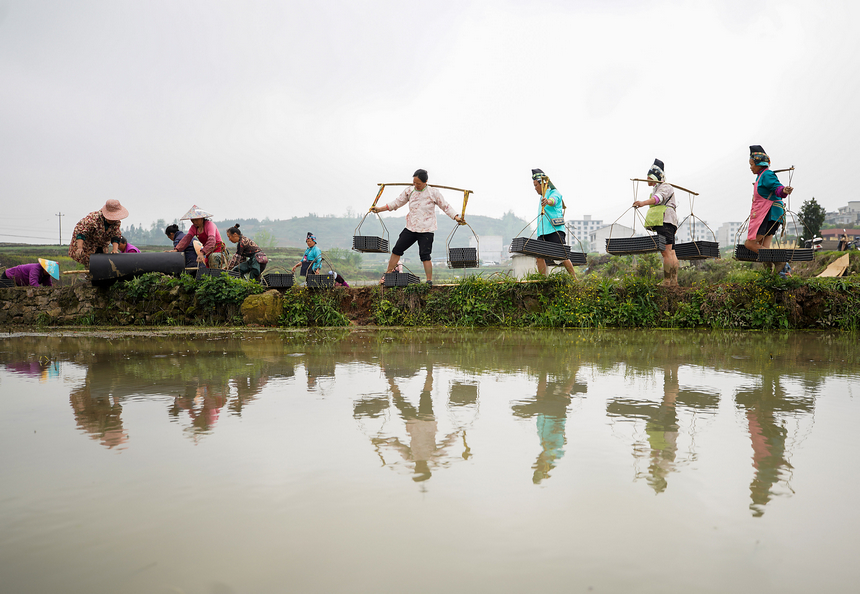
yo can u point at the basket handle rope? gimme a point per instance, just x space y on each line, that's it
375 200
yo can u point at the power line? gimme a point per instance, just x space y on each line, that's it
24 236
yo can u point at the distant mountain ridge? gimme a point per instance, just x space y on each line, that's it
334 231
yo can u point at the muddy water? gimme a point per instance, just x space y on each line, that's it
434 461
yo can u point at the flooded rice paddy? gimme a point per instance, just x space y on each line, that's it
437 461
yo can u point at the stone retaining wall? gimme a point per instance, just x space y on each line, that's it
30 306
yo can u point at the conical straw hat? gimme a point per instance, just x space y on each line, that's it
51 267
196 213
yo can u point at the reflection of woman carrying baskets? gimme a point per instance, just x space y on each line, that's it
768 211
662 218
550 226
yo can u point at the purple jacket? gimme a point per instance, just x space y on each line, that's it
32 275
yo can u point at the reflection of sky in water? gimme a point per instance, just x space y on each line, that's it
483 427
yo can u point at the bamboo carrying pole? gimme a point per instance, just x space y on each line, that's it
432 186
673 185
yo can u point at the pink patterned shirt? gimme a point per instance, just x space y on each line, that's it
422 208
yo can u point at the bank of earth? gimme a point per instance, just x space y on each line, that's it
762 302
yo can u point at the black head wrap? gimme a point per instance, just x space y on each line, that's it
759 156
657 171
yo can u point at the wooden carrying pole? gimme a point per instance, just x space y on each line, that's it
673 185
432 186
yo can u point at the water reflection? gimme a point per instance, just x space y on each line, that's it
549 408
767 406
423 449
417 398
662 426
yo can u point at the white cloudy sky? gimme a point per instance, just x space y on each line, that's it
258 109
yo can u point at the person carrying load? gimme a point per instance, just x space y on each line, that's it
767 212
662 218
420 222
550 221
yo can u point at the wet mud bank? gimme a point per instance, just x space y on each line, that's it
767 303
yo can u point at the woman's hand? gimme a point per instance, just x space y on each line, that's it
639 204
788 189
201 259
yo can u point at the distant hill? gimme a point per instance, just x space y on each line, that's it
334 231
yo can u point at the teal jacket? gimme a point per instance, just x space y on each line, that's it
555 211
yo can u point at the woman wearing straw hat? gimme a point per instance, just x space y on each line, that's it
204 229
33 275
97 232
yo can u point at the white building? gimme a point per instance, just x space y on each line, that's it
694 230
581 229
847 215
727 234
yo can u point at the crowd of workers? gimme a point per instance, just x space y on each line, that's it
99 231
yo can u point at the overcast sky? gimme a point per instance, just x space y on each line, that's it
280 109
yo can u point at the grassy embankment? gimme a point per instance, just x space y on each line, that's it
612 292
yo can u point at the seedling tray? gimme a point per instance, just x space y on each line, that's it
203 271
400 279
624 246
577 258
320 281
280 281
785 255
462 257
697 250
369 244
745 255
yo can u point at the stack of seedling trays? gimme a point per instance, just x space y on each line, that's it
320 281
576 258
6 283
627 246
279 281
203 271
745 255
400 279
538 248
370 244
787 255
697 250
462 257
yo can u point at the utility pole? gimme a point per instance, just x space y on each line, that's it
59 216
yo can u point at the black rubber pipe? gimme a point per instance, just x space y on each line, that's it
106 269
